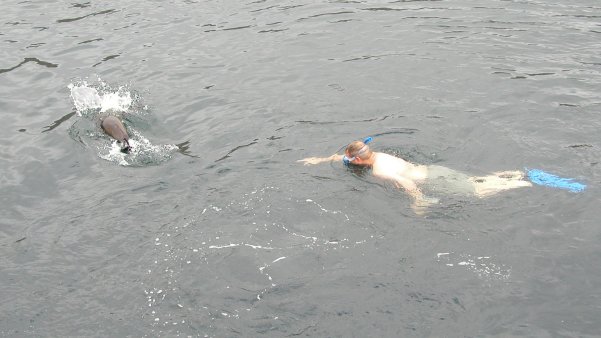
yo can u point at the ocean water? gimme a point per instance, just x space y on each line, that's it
211 228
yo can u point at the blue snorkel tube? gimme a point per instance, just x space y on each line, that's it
346 160
540 177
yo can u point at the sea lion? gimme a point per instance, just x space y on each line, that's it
115 128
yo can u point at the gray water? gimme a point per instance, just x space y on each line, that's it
212 229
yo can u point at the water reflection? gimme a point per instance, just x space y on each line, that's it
27 60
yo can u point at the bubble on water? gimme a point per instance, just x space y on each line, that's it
483 266
199 245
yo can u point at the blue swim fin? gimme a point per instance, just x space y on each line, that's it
540 177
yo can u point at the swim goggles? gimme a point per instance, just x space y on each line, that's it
347 160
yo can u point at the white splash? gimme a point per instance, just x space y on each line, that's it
482 266
233 245
115 155
334 212
118 101
85 98
141 148
279 259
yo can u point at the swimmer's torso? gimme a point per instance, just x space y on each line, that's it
389 166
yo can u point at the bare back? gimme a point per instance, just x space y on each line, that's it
388 166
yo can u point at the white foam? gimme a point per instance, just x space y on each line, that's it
119 101
115 154
279 259
143 143
481 265
85 98
140 147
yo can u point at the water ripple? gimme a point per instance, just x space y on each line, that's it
108 11
26 60
215 229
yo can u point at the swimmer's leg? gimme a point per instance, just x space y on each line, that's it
517 174
489 185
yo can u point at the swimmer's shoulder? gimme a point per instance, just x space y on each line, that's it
386 165
390 160
384 157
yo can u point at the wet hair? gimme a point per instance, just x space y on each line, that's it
359 149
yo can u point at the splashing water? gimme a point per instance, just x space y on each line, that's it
97 100
88 99
483 266
143 151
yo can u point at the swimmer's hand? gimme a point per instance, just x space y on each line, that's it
311 160
318 160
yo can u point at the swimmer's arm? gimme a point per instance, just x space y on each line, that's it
409 186
317 160
420 201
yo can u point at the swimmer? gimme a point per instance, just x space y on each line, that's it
115 128
410 177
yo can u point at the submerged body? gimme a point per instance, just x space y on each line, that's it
411 177
115 128
442 179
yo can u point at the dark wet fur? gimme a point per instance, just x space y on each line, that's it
125 147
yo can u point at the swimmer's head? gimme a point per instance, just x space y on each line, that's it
357 153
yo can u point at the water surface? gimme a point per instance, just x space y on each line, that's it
213 229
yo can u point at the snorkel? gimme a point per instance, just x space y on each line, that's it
347 161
